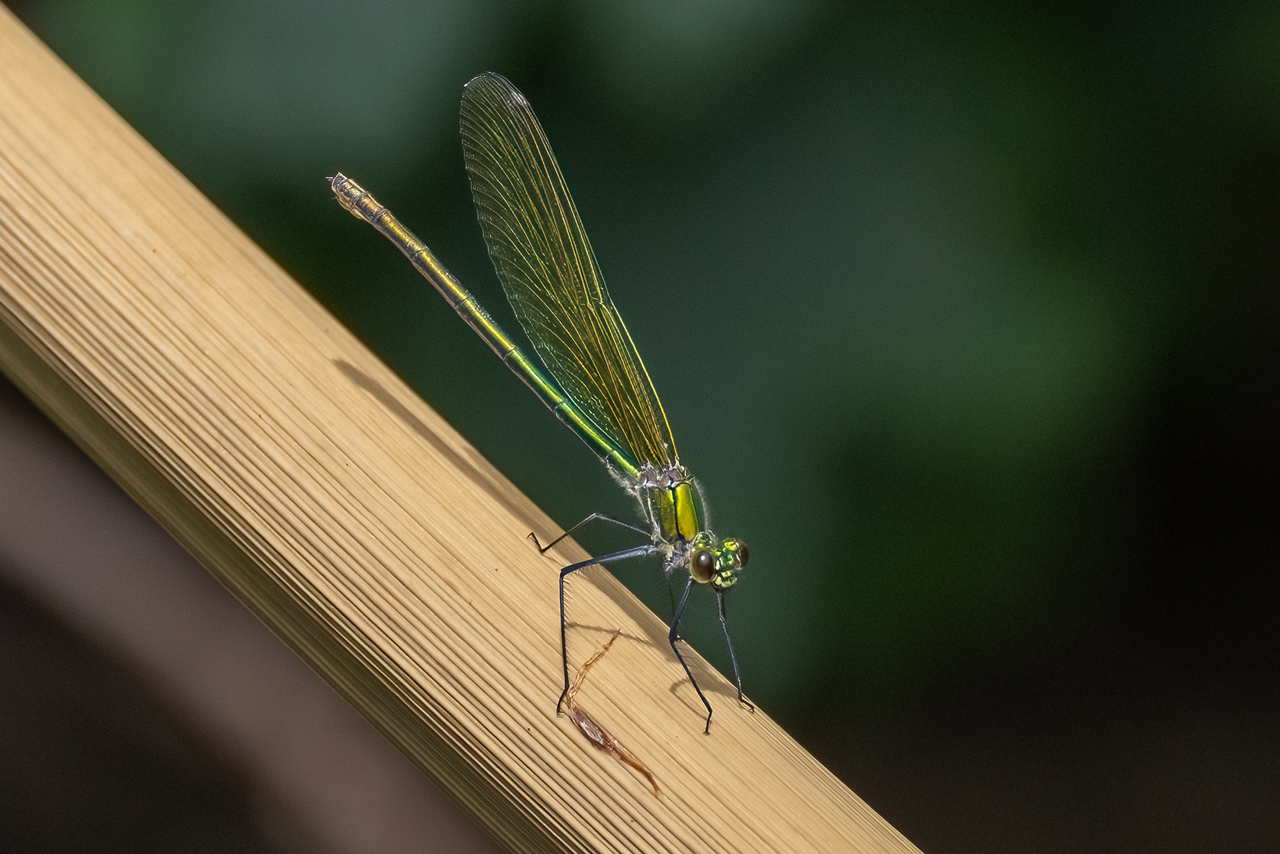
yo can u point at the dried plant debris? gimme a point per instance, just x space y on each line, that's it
599 737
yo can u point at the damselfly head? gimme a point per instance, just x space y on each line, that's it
717 563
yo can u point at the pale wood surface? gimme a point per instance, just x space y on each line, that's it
339 508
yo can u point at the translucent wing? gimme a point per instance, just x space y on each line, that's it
550 274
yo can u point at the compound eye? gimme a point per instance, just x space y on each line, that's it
742 551
701 566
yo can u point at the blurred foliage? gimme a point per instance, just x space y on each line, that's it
965 315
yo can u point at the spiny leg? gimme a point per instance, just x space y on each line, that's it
603 517
638 551
672 637
733 658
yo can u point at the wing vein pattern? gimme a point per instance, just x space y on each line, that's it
550 274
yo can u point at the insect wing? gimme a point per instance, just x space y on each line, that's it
550 274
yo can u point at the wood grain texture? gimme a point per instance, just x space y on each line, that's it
339 508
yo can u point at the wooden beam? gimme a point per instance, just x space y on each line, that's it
349 517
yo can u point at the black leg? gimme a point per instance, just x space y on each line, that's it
667 571
733 658
672 637
603 517
638 551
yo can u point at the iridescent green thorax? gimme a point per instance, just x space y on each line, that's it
674 504
672 500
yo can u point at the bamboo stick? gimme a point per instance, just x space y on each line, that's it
340 509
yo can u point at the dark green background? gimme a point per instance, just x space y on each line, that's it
965 315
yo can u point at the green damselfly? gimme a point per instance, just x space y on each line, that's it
598 385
